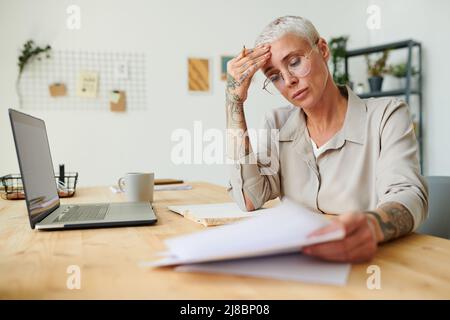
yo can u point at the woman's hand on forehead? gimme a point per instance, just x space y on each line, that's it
242 68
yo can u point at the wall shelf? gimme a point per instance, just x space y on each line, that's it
407 92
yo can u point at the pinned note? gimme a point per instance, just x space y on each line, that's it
117 101
57 89
87 84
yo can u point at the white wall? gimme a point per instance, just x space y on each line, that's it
106 145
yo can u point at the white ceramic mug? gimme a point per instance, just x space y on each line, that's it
137 186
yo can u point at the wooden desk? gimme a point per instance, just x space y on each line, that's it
33 264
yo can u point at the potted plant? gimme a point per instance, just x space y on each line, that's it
376 70
400 71
29 53
338 47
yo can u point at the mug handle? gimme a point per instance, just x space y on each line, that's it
121 184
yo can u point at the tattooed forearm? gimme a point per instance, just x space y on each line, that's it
238 143
235 112
394 220
233 98
234 105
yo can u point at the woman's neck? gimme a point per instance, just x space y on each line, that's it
328 115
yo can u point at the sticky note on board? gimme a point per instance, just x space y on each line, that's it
117 101
57 89
87 84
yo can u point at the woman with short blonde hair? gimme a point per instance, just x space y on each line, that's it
335 154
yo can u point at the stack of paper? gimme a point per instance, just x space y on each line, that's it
280 230
290 266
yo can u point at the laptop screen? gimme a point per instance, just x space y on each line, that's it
36 168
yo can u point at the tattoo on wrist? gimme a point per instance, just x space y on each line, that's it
235 111
235 115
394 220
231 82
233 98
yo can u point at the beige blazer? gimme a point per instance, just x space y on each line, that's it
372 160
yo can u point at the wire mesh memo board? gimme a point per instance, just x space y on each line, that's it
64 66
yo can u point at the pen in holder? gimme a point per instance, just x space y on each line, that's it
61 174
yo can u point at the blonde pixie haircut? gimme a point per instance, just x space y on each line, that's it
288 24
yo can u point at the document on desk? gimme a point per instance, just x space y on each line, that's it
280 230
213 214
290 266
265 245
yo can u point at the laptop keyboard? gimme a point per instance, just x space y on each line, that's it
82 213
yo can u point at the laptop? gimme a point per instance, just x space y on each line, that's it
41 194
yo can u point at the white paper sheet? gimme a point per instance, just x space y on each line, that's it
214 210
282 229
293 267
172 187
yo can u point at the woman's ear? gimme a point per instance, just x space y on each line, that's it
323 49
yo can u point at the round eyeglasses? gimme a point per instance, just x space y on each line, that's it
297 66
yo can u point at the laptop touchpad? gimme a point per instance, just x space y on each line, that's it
130 210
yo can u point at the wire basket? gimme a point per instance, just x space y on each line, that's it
11 186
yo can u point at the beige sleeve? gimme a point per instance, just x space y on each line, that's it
398 170
257 175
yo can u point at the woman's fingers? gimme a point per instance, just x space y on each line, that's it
348 249
361 253
251 69
333 226
332 249
244 52
251 63
241 69
255 54
358 245
349 222
247 58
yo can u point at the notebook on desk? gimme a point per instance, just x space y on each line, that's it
213 214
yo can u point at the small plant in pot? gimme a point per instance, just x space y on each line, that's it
400 71
376 70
